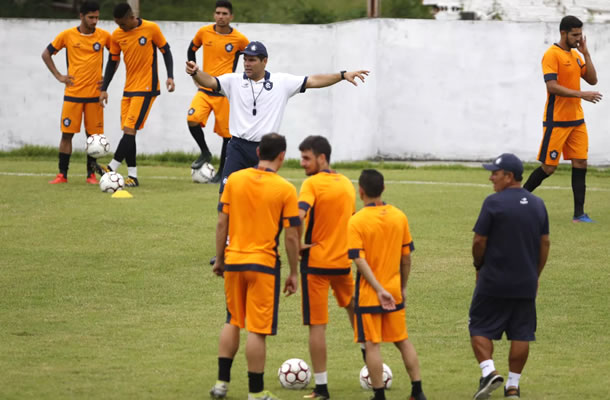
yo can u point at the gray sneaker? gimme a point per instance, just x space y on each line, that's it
219 390
487 385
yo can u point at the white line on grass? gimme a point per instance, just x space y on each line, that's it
463 184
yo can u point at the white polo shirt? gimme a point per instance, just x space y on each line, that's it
271 94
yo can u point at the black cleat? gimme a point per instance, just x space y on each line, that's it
213 260
487 385
203 158
216 179
100 169
512 393
131 181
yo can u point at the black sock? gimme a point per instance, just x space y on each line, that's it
535 179
124 147
90 165
415 388
363 350
578 188
255 382
224 369
197 133
64 162
322 389
130 157
379 394
223 155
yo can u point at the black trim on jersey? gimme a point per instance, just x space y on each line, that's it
377 309
220 206
81 99
550 109
563 124
218 89
251 267
51 49
550 77
142 94
294 221
410 245
303 205
211 92
325 271
353 253
228 320
303 86
143 111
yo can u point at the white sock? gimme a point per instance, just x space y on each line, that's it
321 378
487 367
114 164
132 171
362 346
513 379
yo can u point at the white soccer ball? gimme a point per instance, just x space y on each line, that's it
365 378
97 146
203 174
111 182
294 374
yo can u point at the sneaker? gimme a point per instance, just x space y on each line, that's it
487 385
512 392
131 181
420 396
213 260
101 169
219 390
216 179
203 158
582 218
315 395
60 178
264 395
92 179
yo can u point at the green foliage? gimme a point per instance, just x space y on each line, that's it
405 9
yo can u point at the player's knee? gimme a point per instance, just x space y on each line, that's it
549 169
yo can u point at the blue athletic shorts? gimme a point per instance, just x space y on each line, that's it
241 154
492 316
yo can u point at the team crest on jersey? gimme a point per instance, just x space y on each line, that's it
142 41
554 154
191 111
268 85
229 47
97 46
67 121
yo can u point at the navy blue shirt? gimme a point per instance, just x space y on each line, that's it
513 221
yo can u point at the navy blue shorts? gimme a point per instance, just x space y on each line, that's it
492 316
241 154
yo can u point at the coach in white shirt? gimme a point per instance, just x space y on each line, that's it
257 101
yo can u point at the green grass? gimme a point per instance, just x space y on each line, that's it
106 298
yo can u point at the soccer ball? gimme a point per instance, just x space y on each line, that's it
203 174
111 182
294 374
97 146
365 379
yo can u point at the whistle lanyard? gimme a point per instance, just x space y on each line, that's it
255 98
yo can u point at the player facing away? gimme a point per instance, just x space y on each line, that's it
564 124
221 48
380 244
326 203
254 207
84 46
138 39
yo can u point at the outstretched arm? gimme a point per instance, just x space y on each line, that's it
324 80
201 77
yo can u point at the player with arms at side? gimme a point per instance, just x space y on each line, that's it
564 125
327 200
84 46
255 205
221 48
138 39
380 244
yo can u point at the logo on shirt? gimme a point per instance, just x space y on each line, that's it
67 121
97 46
268 85
142 41
498 161
229 47
554 154
523 201
191 111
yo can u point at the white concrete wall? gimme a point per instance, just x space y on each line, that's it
451 90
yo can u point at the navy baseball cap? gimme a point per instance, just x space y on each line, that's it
507 162
255 49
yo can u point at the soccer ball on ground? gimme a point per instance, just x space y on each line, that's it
294 374
203 174
111 182
97 146
365 378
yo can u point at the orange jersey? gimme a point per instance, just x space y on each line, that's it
139 47
85 58
259 203
566 67
220 52
379 234
329 199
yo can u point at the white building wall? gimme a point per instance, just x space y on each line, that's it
452 90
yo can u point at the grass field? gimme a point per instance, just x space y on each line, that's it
104 298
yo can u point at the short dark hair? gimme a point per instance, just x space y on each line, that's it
568 23
89 6
371 181
271 145
317 144
121 10
225 4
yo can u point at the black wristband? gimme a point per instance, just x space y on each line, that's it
342 74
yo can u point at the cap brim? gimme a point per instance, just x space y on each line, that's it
491 167
253 53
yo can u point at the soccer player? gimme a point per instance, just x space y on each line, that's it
138 39
564 125
380 244
326 203
254 207
84 46
221 48
510 248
